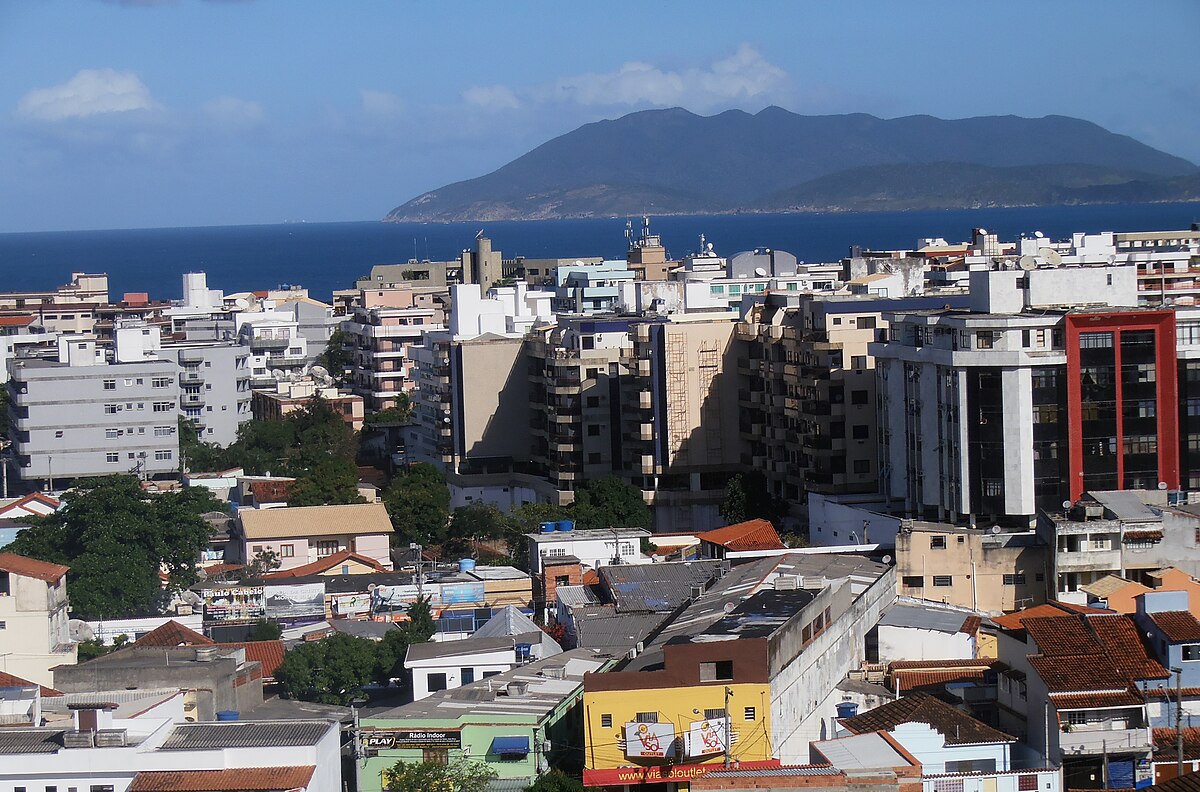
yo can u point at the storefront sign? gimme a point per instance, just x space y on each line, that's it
650 740
706 737
295 601
462 594
378 740
620 776
233 603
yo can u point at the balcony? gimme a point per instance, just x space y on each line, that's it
267 344
1088 560
191 400
191 376
645 399
1101 737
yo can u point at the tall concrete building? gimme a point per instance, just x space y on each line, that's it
484 265
214 387
385 324
646 256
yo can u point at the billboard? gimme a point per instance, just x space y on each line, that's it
233 603
295 601
650 740
382 740
706 737
462 594
351 604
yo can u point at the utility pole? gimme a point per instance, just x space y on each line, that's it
417 554
1178 720
728 693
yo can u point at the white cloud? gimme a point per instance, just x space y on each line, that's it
90 92
380 103
745 74
491 97
234 113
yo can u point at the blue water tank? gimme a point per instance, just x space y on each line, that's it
549 527
523 650
566 525
227 715
847 709
466 564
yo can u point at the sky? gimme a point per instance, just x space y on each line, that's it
153 113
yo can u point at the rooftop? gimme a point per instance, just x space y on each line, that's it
31 567
869 751
432 650
246 734
354 519
745 536
1177 625
327 563
656 587
601 627
1090 652
1016 620
172 633
589 533
243 779
956 727
927 618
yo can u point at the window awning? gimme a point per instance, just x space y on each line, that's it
510 746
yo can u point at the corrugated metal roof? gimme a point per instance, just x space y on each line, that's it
917 617
576 596
258 734
508 621
656 587
25 741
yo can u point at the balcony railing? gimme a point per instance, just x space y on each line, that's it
1097 738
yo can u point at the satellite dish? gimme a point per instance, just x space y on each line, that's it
80 630
995 529
1162 485
982 231
887 559
760 272
277 373
1027 263
1051 256
1038 235
729 607
1066 504
372 586
319 371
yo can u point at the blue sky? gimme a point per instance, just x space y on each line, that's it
206 112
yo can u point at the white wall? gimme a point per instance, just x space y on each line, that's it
827 517
929 747
484 662
911 643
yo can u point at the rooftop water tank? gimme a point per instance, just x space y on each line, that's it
466 565
566 525
549 527
847 709
227 715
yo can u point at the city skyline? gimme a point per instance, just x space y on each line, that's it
143 113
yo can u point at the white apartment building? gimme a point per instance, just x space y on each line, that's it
274 334
594 547
214 387
33 618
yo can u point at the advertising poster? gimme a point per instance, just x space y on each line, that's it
233 603
295 601
650 740
352 604
462 594
706 737
380 740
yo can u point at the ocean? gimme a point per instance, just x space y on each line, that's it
328 256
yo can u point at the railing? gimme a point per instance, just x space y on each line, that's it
1097 738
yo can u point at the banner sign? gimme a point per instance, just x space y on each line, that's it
411 738
619 776
462 594
296 600
650 740
233 603
706 737
352 604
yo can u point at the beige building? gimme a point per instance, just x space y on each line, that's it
647 257
291 396
300 535
988 572
384 325
33 618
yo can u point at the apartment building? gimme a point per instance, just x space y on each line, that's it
385 323
33 616
646 257
291 396
807 389
214 387
590 288
78 416
275 335
71 308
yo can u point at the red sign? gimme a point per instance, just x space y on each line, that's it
618 776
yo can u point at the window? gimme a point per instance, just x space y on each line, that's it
606 721
1014 580
866 323
111 409
1027 782
858 362
562 580
1095 340
164 406
110 434
164 431
439 756
110 384
943 581
720 671
287 551
860 431
163 455
913 581
985 339
713 714
593 401
467 674
112 457
750 714
593 430
647 717
436 682
862 466
1191 652
937 543
327 547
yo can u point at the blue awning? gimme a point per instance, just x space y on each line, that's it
510 745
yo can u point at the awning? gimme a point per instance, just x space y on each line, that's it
510 745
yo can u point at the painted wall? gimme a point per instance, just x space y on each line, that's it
911 643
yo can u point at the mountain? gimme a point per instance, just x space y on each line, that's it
674 162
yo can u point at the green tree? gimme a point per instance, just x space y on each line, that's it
399 415
265 630
526 519
116 539
555 781
418 501
329 481
390 651
329 671
461 775
610 502
194 453
748 497
420 626
337 358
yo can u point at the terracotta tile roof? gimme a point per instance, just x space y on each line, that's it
1177 625
245 779
172 633
749 535
1165 743
1079 673
1070 701
1061 635
956 727
971 624
352 519
327 563
8 680
973 662
33 497
1089 653
272 491
16 321
268 653
1142 536
1122 641
917 679
1014 621
591 578
220 569
31 567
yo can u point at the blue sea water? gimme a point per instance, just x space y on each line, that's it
328 256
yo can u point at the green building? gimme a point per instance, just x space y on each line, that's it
519 723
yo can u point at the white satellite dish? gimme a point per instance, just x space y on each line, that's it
1162 485
982 231
1051 256
1066 504
1038 235
319 371
760 272
1027 263
995 529
887 559
277 373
